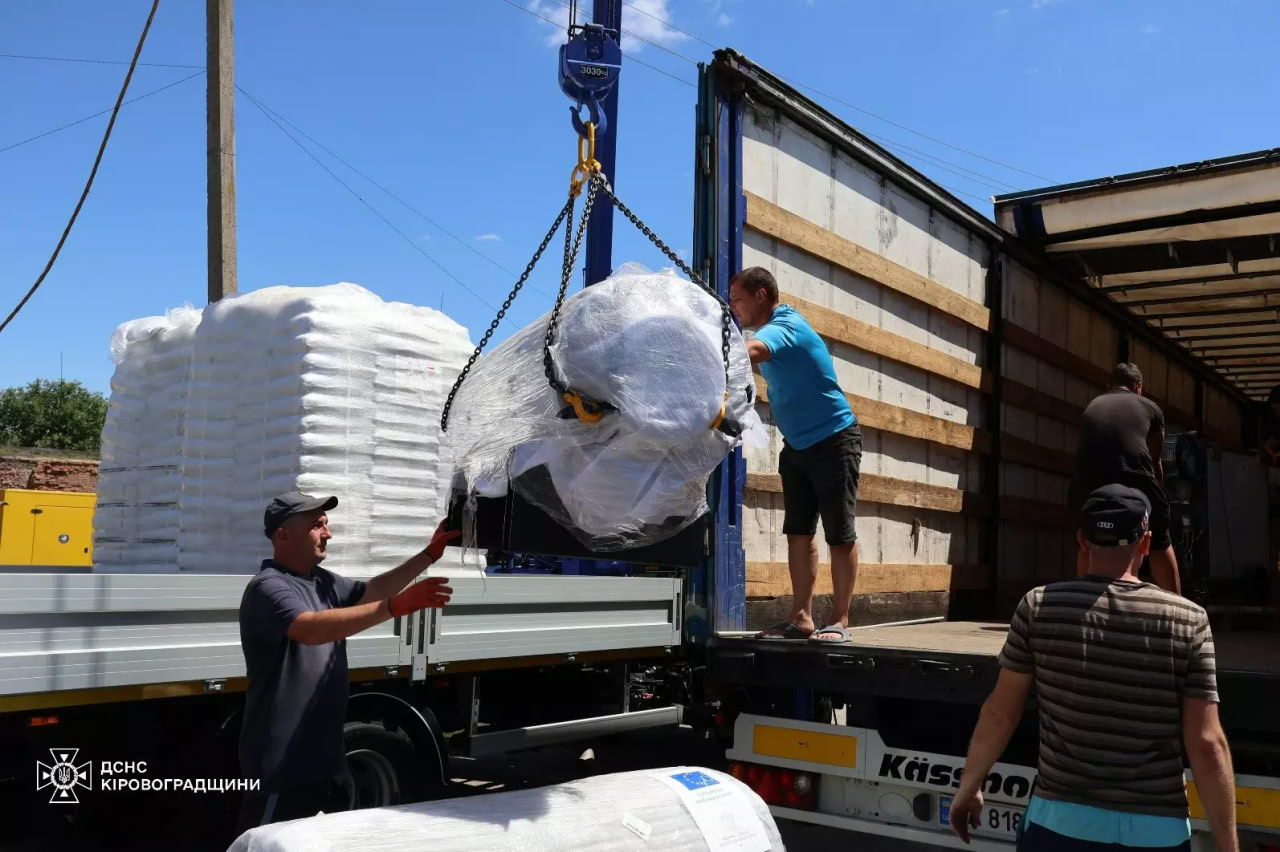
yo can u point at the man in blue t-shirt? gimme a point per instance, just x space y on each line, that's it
821 452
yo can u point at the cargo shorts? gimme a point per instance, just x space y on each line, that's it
822 481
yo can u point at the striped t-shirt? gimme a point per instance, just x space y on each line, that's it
1112 662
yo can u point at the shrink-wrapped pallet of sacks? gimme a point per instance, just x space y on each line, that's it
135 521
325 390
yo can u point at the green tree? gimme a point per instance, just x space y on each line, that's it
57 415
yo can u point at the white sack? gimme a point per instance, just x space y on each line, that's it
606 812
649 344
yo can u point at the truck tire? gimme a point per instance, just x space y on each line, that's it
385 768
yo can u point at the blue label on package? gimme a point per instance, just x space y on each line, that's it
695 780
944 809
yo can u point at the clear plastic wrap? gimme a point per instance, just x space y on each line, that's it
327 390
624 811
135 524
649 345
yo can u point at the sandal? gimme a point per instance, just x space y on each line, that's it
783 630
833 628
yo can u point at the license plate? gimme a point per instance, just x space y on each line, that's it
997 820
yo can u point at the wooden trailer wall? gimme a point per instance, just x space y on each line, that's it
967 354
1056 355
898 291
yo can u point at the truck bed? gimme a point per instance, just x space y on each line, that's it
65 636
956 661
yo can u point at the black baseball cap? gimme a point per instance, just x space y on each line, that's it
291 503
1115 516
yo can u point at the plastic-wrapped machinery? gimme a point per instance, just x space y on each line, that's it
649 346
675 810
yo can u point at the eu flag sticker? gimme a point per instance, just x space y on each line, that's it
695 780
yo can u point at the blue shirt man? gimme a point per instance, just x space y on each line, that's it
821 454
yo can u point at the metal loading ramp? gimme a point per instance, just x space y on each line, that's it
1191 250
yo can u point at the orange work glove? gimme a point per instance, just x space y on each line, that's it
439 539
429 593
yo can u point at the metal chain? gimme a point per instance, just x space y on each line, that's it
726 315
566 273
598 182
567 210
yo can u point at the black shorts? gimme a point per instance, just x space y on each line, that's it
822 480
1160 537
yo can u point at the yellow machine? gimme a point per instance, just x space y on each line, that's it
46 527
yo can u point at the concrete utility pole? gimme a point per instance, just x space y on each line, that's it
221 140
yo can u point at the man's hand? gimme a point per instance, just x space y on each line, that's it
966 811
431 593
439 540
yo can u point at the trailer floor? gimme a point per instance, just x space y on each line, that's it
956 661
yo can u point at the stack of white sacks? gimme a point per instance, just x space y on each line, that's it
326 390
135 526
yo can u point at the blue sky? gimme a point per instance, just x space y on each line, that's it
454 106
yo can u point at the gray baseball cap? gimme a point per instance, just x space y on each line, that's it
292 503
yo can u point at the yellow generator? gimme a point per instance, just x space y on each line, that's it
46 527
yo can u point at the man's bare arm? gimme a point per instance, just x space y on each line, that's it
330 625
387 583
1210 760
999 718
1155 446
391 582
758 352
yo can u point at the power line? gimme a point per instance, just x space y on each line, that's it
413 243
669 24
102 148
629 56
95 61
462 242
979 177
99 112
838 100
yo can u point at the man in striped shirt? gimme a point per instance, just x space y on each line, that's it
1126 688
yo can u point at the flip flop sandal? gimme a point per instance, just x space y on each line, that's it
788 631
833 628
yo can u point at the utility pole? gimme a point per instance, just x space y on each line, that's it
221 146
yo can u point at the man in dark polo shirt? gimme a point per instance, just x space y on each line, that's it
295 618
1121 439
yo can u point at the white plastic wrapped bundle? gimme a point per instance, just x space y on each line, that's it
626 811
140 476
649 345
327 390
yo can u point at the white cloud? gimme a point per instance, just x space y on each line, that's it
1040 4
724 20
643 19
489 238
425 237
1150 29
1000 13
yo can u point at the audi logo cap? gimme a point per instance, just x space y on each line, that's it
1115 516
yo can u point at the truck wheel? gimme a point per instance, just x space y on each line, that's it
384 766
